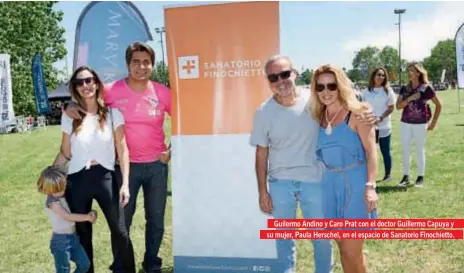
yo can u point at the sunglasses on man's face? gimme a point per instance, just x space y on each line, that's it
80 82
283 75
330 86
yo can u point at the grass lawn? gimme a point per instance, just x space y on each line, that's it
25 230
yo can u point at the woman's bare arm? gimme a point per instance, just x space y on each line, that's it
367 135
64 155
123 153
437 112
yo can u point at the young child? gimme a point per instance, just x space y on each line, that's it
64 243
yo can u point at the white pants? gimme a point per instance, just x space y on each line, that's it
418 133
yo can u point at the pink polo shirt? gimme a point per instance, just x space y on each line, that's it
143 117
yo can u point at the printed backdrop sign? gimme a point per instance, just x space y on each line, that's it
459 40
6 94
216 55
103 32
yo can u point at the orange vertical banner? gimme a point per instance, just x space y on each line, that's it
216 57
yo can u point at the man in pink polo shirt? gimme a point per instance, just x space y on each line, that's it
143 104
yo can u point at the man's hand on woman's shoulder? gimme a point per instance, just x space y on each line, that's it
366 115
73 109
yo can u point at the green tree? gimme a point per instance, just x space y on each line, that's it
306 77
443 56
389 59
373 57
299 81
354 75
29 28
161 74
369 57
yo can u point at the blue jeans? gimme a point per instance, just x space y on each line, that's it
66 247
284 195
153 179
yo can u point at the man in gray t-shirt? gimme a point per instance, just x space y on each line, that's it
291 132
285 136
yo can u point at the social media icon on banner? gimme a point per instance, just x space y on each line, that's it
189 67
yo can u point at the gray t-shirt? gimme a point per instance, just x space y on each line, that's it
59 225
291 134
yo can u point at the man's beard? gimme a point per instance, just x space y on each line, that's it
284 92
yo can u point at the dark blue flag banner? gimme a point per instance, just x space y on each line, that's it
103 32
40 87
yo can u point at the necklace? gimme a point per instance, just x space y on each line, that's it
328 130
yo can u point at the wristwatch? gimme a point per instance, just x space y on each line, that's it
372 184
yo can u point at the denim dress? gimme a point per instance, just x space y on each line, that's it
345 178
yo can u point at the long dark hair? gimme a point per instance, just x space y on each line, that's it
102 110
385 83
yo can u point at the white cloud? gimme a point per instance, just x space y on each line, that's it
418 36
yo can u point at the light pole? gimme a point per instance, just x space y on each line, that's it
400 67
160 31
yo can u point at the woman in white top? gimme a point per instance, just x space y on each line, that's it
89 145
381 97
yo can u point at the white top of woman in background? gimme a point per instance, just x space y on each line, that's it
380 100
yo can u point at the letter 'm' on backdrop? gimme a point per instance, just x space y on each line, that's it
103 32
216 57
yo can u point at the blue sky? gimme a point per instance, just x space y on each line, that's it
314 33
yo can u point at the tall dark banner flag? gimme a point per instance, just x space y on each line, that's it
40 88
103 32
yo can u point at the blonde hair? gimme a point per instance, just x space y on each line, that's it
347 95
423 78
52 180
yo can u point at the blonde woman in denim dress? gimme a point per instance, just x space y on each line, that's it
347 148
